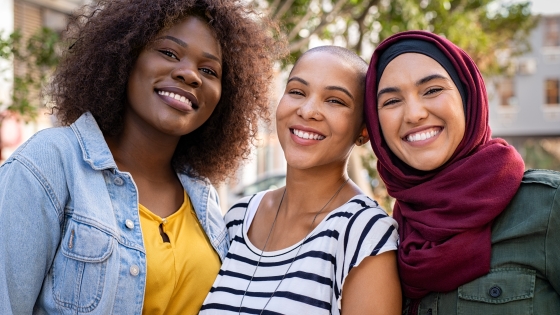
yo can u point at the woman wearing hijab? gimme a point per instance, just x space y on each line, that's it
477 232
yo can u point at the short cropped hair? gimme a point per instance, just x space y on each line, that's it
347 56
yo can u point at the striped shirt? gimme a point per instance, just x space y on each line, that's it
313 284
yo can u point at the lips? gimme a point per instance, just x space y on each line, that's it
308 135
178 98
422 135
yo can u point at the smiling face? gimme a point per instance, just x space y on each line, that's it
320 114
420 111
175 84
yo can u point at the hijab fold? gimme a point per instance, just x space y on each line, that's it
445 216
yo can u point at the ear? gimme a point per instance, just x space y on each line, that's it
363 136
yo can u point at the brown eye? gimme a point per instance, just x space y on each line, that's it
391 102
433 91
168 53
209 71
335 101
296 92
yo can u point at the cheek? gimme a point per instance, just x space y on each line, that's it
458 125
387 125
351 124
282 109
459 132
138 77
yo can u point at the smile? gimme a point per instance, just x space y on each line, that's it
177 97
424 135
307 135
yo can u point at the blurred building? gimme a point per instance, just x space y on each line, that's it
525 106
528 103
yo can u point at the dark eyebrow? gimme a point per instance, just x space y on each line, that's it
185 45
429 78
419 82
175 39
334 87
298 79
387 90
339 88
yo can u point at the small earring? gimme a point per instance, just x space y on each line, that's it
360 140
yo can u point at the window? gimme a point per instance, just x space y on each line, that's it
506 92
552 91
552 32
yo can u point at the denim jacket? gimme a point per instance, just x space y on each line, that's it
70 236
524 277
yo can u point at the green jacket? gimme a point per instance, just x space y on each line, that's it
524 273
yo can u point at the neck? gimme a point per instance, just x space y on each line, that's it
141 153
319 183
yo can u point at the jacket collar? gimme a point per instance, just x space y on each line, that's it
95 150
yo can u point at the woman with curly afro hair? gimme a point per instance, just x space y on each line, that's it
113 212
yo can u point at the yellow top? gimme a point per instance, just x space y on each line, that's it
181 271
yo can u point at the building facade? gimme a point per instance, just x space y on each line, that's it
528 103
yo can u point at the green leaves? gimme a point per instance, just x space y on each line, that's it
35 58
486 29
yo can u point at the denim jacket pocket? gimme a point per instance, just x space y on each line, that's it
502 291
79 267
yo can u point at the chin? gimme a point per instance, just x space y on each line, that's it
427 165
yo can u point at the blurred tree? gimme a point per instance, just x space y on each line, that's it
36 57
489 30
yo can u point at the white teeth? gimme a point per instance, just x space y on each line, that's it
422 135
307 135
175 96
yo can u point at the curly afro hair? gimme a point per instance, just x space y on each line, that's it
106 40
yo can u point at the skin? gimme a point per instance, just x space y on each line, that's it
186 60
327 101
416 96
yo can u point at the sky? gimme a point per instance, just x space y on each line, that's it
545 6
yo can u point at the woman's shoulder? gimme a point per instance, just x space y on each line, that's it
360 214
359 205
234 216
51 141
540 176
538 191
537 200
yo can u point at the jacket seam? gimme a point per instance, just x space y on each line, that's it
47 187
550 213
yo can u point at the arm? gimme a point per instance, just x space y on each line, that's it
373 287
29 234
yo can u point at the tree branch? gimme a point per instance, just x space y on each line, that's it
300 25
283 9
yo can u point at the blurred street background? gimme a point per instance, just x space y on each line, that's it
515 43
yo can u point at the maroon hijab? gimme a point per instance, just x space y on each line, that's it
445 215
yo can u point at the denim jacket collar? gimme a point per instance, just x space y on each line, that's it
95 150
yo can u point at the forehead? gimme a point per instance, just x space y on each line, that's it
193 30
326 67
411 66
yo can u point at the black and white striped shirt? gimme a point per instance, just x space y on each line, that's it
313 284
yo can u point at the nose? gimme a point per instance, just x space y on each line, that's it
415 111
188 73
310 109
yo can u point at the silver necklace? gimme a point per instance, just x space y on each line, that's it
297 253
